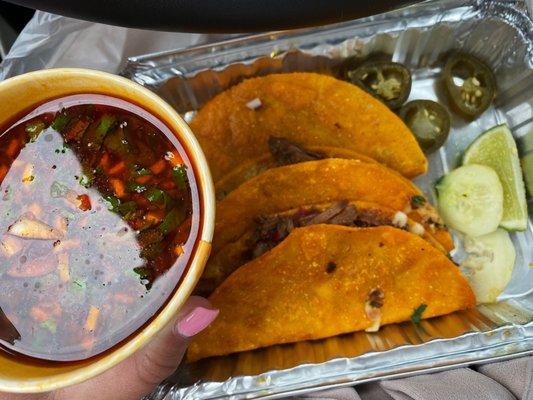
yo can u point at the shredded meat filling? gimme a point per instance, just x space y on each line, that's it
286 152
271 230
326 216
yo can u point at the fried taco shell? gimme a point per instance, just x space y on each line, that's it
315 182
308 109
269 230
326 280
282 152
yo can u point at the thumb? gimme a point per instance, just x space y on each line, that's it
161 356
139 374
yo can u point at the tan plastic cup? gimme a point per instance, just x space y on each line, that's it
20 94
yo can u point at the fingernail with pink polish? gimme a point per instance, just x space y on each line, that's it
196 321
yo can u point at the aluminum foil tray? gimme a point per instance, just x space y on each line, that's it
499 32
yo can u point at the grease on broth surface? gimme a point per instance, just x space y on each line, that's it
99 216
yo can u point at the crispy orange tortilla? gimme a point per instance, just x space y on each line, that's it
307 109
221 264
251 168
314 182
288 295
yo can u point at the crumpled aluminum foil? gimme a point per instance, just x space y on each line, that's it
499 32
51 41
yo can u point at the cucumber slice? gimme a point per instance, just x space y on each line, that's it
496 148
527 166
489 264
527 142
470 199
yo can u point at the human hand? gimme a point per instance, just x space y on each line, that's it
140 374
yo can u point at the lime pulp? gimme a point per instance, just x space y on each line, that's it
496 149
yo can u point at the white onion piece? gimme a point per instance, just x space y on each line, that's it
63 266
399 219
10 245
28 227
254 104
72 197
374 315
65 245
417 229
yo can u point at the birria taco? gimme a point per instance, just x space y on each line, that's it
326 280
309 110
317 182
269 230
281 152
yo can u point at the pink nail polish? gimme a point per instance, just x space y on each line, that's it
196 321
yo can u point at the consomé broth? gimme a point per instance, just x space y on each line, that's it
99 216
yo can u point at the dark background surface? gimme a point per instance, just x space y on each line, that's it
192 15
212 16
16 16
13 19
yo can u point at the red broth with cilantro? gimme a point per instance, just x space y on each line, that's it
99 216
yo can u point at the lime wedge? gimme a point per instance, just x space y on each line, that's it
496 149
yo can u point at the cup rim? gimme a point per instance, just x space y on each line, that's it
197 258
